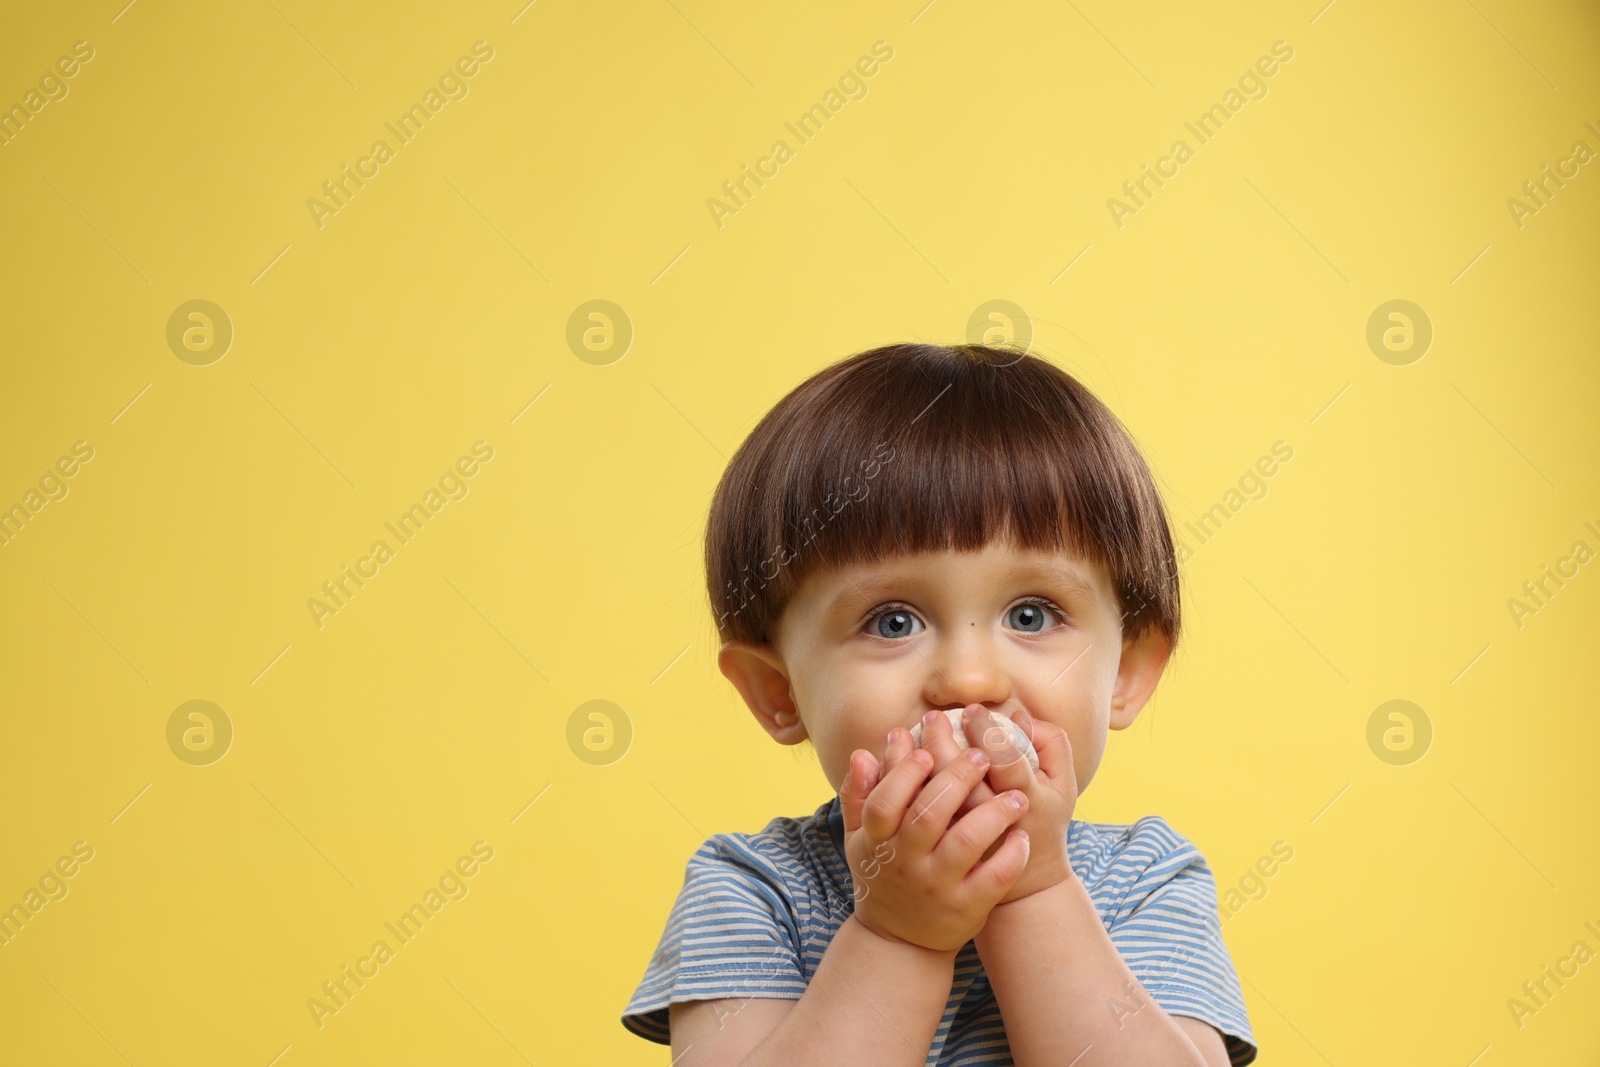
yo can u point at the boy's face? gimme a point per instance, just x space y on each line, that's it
862 649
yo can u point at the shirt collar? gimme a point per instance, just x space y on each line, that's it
836 827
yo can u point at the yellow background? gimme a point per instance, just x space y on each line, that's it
371 352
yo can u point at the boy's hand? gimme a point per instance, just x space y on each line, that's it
918 878
1052 791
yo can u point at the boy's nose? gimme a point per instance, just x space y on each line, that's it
967 674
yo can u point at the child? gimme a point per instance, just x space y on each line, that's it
912 529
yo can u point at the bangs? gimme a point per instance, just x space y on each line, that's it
912 448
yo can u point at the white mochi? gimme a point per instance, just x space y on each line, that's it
1019 737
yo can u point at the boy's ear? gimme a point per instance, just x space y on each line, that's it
757 671
1143 660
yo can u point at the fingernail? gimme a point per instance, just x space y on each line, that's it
976 756
927 720
1016 799
890 741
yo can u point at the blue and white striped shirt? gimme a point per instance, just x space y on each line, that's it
757 911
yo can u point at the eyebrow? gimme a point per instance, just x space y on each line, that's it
1065 576
870 589
860 593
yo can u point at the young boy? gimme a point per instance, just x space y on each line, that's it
913 529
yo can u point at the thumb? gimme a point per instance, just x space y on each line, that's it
1051 744
859 780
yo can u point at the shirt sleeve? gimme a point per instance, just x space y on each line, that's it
730 934
1169 933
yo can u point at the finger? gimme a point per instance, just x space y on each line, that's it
1008 767
982 791
938 740
1053 746
929 815
898 747
989 731
859 779
886 802
994 877
964 844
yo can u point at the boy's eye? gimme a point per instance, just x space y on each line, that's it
1030 616
895 622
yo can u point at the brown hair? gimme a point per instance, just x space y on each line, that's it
921 447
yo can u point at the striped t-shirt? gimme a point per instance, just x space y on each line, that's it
757 911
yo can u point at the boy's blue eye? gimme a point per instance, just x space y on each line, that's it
895 623
1029 617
